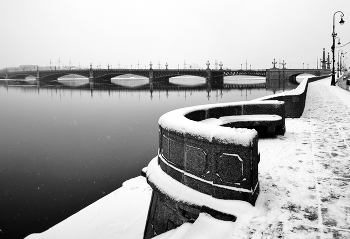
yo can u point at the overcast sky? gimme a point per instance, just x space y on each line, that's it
128 32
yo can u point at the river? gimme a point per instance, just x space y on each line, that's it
66 144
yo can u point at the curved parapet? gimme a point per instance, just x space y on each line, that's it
213 150
210 148
295 99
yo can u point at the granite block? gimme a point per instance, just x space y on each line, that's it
165 147
195 160
228 194
162 165
175 174
229 169
197 185
176 153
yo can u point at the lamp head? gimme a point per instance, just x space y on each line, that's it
341 21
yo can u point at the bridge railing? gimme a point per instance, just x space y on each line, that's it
66 68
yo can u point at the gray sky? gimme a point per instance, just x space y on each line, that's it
173 31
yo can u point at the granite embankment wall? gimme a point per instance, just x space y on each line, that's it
212 149
295 99
222 162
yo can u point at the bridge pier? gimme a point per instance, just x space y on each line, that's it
208 79
151 75
100 80
157 79
38 74
160 80
218 80
276 74
91 75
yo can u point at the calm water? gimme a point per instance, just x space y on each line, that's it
65 145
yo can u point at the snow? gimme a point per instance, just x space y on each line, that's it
304 180
237 118
176 121
175 233
341 93
297 91
202 228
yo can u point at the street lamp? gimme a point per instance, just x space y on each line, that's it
338 64
341 61
338 40
333 45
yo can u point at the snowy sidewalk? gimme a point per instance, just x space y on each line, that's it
305 174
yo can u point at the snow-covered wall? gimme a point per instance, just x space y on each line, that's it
215 161
295 99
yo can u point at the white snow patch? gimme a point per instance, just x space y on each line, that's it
176 121
205 227
342 94
297 91
237 118
176 233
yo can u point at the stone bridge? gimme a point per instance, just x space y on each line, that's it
274 74
105 75
161 75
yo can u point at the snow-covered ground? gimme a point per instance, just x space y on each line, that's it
304 179
120 214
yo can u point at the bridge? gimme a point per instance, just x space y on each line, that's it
105 75
275 74
160 75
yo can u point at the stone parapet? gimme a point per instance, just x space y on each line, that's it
220 161
295 99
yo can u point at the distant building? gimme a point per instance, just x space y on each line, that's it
28 67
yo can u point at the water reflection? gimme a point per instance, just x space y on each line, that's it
67 143
181 84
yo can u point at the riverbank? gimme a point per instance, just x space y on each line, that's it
304 177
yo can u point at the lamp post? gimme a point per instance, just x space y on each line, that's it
341 61
333 45
338 40
338 64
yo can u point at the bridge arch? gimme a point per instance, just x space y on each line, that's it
293 78
130 81
20 76
56 75
176 73
113 75
191 81
72 76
